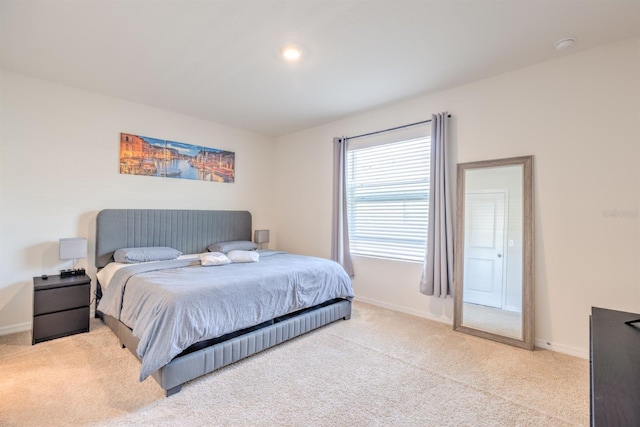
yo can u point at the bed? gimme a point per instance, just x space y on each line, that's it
183 319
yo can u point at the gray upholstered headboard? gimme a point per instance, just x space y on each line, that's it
189 231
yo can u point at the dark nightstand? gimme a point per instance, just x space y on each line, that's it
60 306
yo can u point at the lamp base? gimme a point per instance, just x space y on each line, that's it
72 272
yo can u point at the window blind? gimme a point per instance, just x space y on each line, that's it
388 199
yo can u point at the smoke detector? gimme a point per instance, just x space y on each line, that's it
565 43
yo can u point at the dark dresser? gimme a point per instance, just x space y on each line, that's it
60 306
615 368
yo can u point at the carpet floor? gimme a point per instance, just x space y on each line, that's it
381 368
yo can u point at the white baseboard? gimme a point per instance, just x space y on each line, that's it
539 342
12 329
561 348
441 319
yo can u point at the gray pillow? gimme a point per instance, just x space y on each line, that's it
133 255
232 245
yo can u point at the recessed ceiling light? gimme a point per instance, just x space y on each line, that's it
291 53
565 43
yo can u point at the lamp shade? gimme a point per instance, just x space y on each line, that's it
73 248
261 236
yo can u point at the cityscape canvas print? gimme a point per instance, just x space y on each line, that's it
142 155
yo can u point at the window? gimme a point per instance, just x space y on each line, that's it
388 199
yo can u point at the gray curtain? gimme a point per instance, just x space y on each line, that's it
339 228
437 270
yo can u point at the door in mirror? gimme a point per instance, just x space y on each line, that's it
494 250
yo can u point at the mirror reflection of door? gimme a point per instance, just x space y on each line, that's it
492 261
484 253
494 250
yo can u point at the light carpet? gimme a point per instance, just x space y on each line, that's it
381 368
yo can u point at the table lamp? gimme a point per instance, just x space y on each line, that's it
73 248
260 237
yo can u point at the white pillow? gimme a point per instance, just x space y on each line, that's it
243 256
214 258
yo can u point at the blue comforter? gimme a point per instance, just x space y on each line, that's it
171 305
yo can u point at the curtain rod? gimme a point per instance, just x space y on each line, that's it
390 129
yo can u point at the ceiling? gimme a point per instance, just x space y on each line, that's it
219 60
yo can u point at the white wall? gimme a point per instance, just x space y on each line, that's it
579 115
60 165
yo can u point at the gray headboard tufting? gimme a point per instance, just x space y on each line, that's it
189 231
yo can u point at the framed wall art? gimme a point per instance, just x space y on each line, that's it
143 155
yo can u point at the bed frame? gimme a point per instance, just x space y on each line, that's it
191 231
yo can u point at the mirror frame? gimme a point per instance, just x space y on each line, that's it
527 341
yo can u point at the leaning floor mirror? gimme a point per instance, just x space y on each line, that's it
494 250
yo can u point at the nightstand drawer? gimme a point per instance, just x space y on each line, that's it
58 299
60 324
